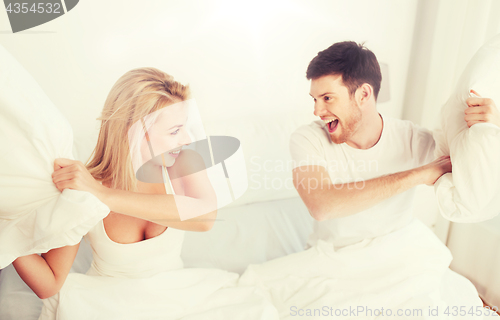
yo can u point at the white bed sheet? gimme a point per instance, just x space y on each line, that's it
17 301
248 234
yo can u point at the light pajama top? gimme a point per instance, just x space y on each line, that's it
402 146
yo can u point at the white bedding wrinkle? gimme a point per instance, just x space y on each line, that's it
34 216
471 192
146 280
400 271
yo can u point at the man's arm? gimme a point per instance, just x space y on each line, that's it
328 201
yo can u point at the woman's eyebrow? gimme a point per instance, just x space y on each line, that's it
177 126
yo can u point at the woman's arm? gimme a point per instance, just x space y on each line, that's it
199 204
46 274
166 209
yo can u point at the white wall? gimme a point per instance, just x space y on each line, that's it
246 58
239 57
447 34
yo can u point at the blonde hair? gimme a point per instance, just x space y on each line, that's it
136 94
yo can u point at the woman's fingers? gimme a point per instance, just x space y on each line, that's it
66 184
71 180
61 180
63 162
72 174
56 166
68 167
67 173
65 176
65 170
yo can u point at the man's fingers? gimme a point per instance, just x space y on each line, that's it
478 109
475 92
475 102
471 123
445 160
476 117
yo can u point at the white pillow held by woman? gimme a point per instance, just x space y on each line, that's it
34 216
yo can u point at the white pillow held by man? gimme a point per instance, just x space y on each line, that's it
471 193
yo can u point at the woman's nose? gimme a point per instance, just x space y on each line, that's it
185 139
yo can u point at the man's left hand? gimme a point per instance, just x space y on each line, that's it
481 110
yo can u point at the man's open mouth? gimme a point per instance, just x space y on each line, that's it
332 125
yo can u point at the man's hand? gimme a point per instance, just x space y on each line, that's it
71 174
432 171
481 110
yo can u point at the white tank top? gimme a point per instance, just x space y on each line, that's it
134 260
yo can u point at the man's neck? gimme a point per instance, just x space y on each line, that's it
368 133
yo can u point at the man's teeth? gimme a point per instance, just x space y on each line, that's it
328 121
175 152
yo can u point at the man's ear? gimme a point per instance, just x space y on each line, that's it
365 92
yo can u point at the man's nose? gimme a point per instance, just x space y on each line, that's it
318 109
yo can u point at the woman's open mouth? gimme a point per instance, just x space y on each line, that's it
175 153
332 125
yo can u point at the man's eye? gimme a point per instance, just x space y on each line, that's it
327 98
175 132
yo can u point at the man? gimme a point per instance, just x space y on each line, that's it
355 167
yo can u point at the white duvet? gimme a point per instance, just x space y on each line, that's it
187 294
34 216
404 270
471 193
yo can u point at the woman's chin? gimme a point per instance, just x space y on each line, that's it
169 162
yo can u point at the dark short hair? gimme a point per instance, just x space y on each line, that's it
354 62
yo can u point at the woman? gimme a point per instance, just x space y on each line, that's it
136 248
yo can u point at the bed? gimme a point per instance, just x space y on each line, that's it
269 221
